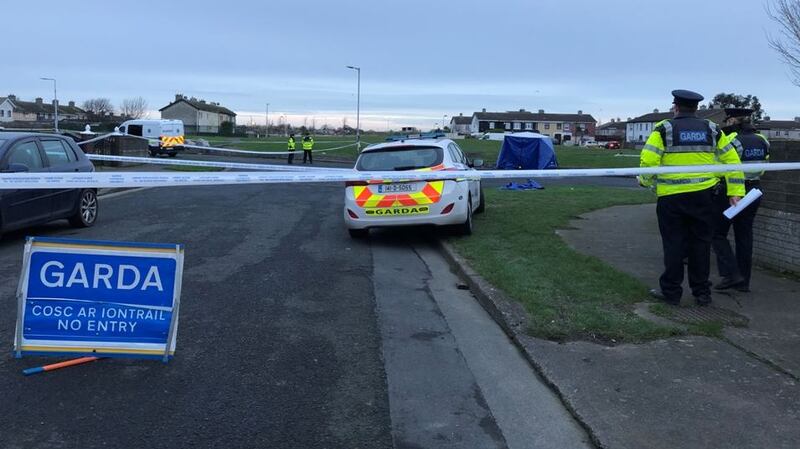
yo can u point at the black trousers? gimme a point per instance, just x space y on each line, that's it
739 263
291 157
686 223
307 155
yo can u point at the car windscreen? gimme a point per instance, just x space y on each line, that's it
400 158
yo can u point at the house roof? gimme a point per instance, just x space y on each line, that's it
778 124
461 120
715 115
32 107
202 106
612 125
527 116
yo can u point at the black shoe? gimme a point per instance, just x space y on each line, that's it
703 300
657 294
727 283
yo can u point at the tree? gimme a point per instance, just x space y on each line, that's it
786 13
724 100
98 107
133 107
226 128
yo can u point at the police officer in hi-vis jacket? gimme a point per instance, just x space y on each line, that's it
752 148
685 200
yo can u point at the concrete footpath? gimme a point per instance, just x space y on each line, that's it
741 391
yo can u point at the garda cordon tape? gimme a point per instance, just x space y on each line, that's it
228 150
209 164
162 179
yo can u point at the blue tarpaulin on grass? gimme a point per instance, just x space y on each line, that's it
526 151
530 185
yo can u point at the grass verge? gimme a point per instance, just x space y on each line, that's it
568 296
568 157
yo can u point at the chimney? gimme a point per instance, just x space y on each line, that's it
580 112
71 104
178 97
483 110
194 99
202 101
460 114
766 119
797 119
629 119
655 111
12 97
522 110
38 100
541 111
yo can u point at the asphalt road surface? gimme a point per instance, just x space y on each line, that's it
292 335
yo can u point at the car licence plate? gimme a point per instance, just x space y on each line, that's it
396 188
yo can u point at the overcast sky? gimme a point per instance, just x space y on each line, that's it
419 59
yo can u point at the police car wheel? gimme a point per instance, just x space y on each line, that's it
86 210
481 203
172 154
358 233
466 227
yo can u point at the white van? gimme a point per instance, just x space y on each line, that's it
163 136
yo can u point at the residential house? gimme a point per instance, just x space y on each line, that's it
613 130
198 116
14 109
639 128
460 125
560 127
779 129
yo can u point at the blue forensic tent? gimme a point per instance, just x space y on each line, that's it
526 151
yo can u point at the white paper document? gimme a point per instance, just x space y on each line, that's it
743 203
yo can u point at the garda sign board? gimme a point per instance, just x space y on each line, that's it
97 298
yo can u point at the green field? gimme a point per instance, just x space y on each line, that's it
568 157
568 296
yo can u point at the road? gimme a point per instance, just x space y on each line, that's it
292 335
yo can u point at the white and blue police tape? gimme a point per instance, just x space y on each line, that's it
209 164
264 153
222 149
161 179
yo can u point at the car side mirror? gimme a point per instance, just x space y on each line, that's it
477 163
16 168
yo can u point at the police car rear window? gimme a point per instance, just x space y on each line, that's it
400 158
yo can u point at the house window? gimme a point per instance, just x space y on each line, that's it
517 126
529 126
2 113
786 133
508 125
566 126
491 125
558 126
546 126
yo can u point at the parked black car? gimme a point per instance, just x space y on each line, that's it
44 153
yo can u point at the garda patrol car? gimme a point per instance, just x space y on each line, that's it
440 202
163 136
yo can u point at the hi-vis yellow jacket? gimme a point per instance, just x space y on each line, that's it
687 140
308 143
290 144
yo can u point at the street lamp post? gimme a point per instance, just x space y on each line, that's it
55 101
267 122
443 117
358 107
